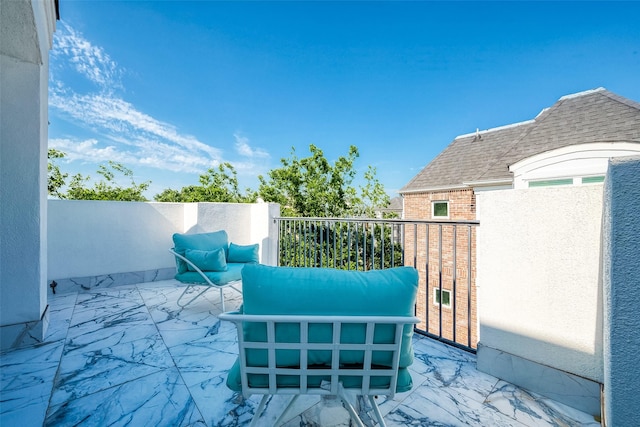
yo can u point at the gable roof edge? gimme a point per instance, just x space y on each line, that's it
498 128
434 189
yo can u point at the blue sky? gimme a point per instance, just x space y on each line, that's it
172 88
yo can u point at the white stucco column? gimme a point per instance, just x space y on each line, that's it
26 30
621 288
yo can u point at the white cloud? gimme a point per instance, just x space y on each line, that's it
123 123
123 133
244 149
89 60
120 131
86 150
160 157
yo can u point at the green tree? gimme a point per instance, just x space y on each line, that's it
106 188
311 186
217 185
372 195
55 178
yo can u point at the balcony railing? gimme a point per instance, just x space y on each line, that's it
443 252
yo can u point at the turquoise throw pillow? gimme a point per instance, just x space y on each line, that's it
200 241
240 253
207 260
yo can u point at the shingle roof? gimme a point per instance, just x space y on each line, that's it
592 116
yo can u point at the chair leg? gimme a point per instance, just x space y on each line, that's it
376 410
349 407
259 411
192 299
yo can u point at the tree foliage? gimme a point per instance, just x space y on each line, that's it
105 189
304 187
55 178
313 187
217 185
372 195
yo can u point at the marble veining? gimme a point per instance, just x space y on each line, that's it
562 386
158 399
84 284
130 356
26 381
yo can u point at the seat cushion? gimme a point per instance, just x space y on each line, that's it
199 241
220 278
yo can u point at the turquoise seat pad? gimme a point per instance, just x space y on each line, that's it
405 383
233 273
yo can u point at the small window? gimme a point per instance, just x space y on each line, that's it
440 209
592 179
445 297
550 182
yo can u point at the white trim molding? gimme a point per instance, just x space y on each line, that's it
574 161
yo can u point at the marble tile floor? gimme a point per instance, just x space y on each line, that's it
129 356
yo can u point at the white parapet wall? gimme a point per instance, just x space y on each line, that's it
94 241
540 290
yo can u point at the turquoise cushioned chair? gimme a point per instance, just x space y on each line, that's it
324 331
207 259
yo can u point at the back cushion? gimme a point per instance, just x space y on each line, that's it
243 253
324 291
200 241
206 260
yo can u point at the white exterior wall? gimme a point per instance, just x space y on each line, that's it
91 238
539 288
621 283
264 230
25 38
234 218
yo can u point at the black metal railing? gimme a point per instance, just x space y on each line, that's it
443 252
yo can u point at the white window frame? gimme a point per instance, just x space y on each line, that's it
433 209
435 297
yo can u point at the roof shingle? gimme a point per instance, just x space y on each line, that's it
592 116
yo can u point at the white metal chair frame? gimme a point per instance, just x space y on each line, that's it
334 386
209 283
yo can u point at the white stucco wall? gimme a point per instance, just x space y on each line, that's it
25 38
21 261
244 223
621 285
89 238
539 293
234 218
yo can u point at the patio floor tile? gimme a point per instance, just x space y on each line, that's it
131 356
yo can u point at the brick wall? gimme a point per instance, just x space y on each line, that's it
462 204
442 264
